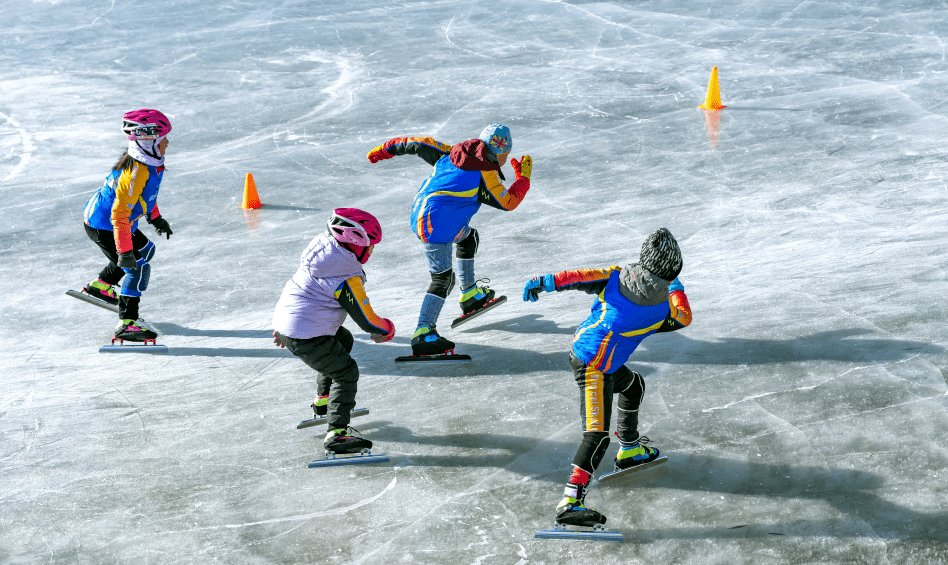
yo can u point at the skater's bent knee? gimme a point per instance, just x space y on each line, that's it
442 283
467 247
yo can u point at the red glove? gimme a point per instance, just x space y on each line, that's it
379 154
523 167
389 328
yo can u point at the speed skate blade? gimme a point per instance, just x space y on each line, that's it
598 533
322 419
452 358
489 306
333 460
92 300
141 348
632 471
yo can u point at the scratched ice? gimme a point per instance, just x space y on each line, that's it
803 412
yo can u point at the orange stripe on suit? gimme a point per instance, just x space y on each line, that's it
594 400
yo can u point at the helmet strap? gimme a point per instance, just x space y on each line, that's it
357 250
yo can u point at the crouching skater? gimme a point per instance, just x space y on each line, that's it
632 303
308 318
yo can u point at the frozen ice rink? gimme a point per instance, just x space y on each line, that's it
804 411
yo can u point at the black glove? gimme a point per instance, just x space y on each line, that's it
127 260
162 227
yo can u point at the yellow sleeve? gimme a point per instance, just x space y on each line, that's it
351 296
494 193
128 192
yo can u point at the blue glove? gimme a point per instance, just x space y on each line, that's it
675 285
536 285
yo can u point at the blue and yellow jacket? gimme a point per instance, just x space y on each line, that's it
456 188
628 308
127 195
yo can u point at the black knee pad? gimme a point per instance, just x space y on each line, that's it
442 283
467 247
591 451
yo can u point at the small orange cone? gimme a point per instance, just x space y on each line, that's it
251 200
712 101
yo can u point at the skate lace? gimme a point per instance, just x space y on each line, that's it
484 280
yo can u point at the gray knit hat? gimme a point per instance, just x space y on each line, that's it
661 255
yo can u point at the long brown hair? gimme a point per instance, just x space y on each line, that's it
125 161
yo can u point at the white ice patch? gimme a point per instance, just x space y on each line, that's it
22 150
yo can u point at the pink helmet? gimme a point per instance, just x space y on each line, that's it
143 124
351 225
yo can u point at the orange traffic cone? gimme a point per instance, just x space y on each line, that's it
251 200
712 100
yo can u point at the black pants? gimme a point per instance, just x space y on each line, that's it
112 273
338 373
595 404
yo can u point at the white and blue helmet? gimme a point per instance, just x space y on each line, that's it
498 137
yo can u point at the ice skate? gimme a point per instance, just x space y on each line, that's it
322 418
134 330
426 341
634 459
475 298
476 301
341 441
137 331
320 406
94 300
634 456
101 290
429 347
351 449
572 513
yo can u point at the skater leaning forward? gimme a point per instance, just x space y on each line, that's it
111 218
633 302
308 318
465 176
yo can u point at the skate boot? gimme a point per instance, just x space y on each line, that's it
571 511
474 298
341 441
102 291
134 330
426 341
634 455
320 406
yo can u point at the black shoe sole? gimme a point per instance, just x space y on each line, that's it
585 518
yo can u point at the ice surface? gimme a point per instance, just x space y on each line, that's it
804 412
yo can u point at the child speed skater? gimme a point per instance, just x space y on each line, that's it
465 176
632 303
308 318
111 219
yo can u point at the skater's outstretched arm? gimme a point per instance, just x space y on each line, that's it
428 148
493 192
351 295
590 281
680 311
